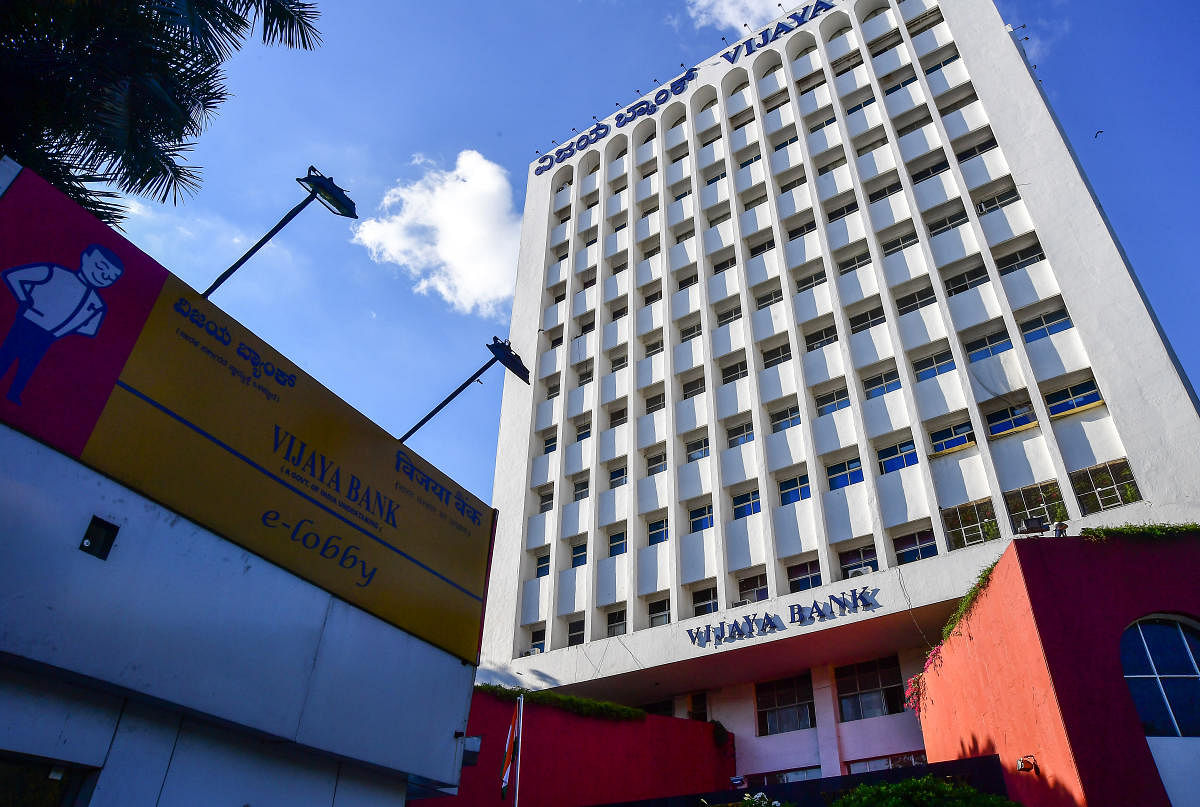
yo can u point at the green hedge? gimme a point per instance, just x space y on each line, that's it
924 792
1140 531
568 703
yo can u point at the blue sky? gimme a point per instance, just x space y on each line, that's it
437 108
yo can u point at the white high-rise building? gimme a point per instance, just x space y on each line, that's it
815 329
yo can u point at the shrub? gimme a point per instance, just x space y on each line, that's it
926 791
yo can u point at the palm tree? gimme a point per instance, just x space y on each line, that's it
116 91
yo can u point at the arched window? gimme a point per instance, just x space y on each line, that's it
1160 658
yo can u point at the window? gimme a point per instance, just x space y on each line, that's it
618 362
765 246
698 706
616 544
1041 502
785 418
696 449
998 201
585 375
686 282
931 171
746 504
693 388
917 546
1073 397
897 244
859 106
684 193
776 355
652 297
546 500
619 313
833 401
794 489
956 436
556 342
870 689
975 151
660 613
810 281
655 402
1010 419
1041 327
729 315
785 705
689 332
948 223
753 588
771 297
542 565
549 443
866 320
819 339
704 601
618 477
844 474
551 391
816 127
700 518
989 345
858 561
803 576
750 162
733 372
537 640
792 185
587 327
656 463
721 266
618 270
882 384
839 213
616 622
579 555
713 180
948 60
916 125
934 365
967 280
589 242
657 531
786 143
1105 486
583 430
617 418
918 299
1159 656
575 633
884 192
581 490
970 523
804 229
1020 259
741 433
898 87
894 458
907 760
850 264
654 348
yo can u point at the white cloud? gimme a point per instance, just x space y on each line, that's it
730 14
455 232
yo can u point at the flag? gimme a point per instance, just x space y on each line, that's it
510 749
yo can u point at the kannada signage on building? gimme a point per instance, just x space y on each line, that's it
111 359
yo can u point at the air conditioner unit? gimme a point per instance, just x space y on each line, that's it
860 571
533 651
740 603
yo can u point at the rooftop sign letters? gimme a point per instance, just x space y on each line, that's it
768 35
753 625
122 366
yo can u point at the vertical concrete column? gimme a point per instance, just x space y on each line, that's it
825 706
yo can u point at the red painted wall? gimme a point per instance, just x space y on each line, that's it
573 761
1035 668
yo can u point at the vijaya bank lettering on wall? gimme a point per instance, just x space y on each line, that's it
112 360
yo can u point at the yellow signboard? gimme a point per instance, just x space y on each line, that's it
210 421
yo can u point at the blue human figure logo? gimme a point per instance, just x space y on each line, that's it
53 302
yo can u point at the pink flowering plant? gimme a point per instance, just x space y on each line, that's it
914 692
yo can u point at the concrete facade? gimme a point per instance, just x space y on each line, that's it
839 313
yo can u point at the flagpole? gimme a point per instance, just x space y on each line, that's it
520 731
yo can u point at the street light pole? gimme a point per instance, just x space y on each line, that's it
501 352
319 187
